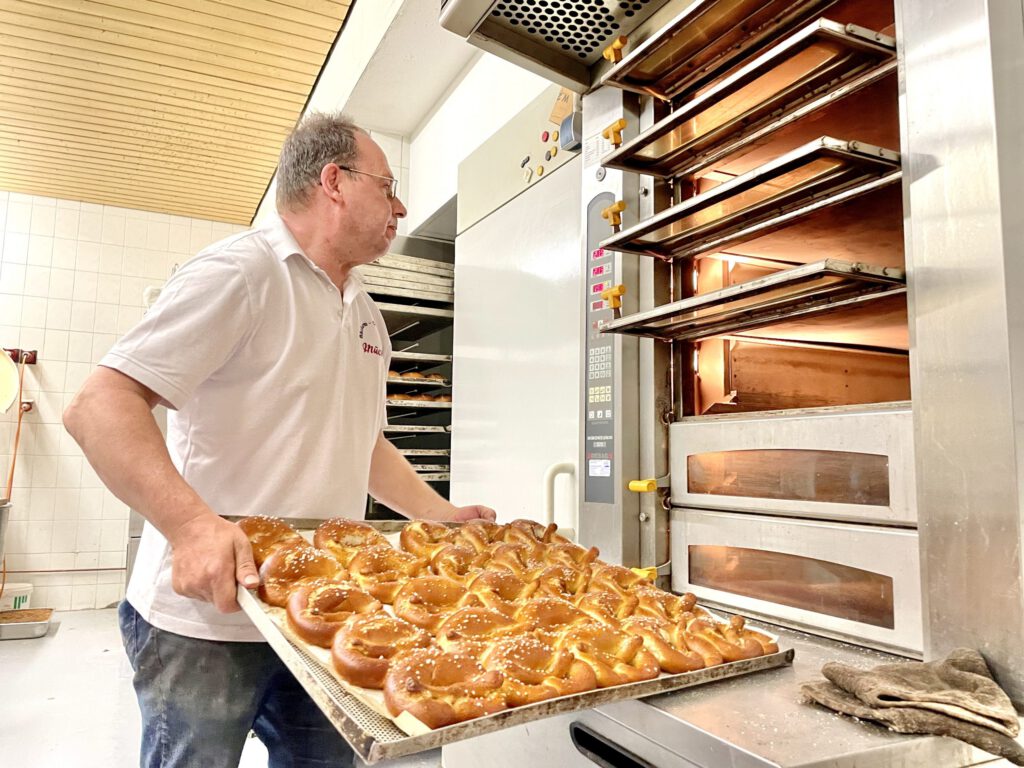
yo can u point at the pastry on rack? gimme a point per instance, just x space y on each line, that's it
458 563
424 538
317 610
427 600
365 645
562 581
436 377
473 630
663 643
443 398
413 375
607 607
292 565
501 590
535 671
440 688
617 657
266 534
382 570
345 538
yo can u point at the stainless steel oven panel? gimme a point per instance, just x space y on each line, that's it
889 552
885 430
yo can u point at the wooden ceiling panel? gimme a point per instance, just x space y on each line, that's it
177 106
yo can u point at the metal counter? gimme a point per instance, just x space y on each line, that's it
758 722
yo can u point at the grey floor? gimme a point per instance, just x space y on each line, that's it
67 700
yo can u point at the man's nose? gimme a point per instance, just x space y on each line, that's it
398 208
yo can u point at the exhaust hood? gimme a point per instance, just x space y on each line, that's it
557 39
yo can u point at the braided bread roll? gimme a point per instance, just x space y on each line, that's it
346 538
365 645
535 671
383 570
440 688
427 600
291 565
317 610
266 534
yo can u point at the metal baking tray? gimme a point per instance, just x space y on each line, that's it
25 630
419 382
804 291
821 173
705 40
804 73
399 429
375 737
398 402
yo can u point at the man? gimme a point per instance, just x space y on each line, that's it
273 362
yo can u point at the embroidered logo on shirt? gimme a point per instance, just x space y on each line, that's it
362 328
371 349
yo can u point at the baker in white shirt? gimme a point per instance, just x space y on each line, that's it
272 360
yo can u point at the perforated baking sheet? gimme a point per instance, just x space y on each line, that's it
375 737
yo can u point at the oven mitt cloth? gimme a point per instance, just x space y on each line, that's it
954 697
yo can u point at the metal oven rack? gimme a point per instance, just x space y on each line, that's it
414 290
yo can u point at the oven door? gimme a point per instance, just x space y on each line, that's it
851 582
848 463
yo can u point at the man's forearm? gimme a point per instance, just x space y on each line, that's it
112 421
394 482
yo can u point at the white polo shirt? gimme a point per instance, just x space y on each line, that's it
276 387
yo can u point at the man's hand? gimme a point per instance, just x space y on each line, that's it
210 556
472 512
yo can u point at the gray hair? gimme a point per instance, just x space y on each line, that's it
317 140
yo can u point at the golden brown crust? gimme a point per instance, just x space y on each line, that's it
616 657
472 630
535 671
458 563
615 578
424 538
317 610
346 538
365 645
292 565
501 590
660 640
383 570
737 632
440 688
606 607
562 581
426 600
479 536
698 629
266 534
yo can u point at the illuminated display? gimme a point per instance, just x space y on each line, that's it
597 288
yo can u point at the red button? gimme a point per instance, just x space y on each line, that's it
544 136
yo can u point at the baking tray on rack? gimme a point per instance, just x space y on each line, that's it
375 737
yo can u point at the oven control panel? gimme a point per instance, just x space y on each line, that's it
599 383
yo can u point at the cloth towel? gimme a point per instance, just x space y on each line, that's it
954 697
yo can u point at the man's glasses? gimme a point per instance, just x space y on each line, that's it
392 189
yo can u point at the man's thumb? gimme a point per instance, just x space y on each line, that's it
245 568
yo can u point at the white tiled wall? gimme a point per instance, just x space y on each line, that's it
71 281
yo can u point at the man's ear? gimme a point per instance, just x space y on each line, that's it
330 182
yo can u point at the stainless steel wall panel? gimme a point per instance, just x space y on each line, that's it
962 76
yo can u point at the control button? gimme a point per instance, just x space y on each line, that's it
554 135
527 175
554 151
547 155
540 170
524 162
544 136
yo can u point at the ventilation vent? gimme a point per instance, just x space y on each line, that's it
579 29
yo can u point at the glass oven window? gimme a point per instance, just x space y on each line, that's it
800 582
793 475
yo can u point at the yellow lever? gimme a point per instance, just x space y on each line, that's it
614 296
613 213
614 132
643 486
648 573
614 51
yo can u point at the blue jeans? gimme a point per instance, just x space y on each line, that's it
200 698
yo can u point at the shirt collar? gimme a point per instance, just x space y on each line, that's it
280 238
284 245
